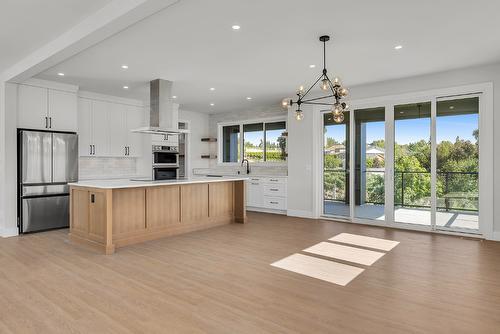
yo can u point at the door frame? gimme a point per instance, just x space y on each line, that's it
486 188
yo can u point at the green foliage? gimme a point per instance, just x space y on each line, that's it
331 141
332 161
456 185
378 143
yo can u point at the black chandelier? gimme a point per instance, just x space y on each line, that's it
333 90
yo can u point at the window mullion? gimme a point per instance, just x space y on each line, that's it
265 148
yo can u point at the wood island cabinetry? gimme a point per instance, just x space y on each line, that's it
108 217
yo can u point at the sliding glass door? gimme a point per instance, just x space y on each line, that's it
457 136
336 148
369 162
414 165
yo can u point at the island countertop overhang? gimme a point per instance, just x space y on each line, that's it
127 183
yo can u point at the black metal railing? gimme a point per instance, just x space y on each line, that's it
456 190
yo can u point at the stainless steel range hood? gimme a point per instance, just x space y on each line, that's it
163 117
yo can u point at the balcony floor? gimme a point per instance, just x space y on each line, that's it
460 220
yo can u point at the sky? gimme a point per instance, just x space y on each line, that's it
256 136
413 130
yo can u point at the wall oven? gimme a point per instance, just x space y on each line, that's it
165 162
165 156
165 173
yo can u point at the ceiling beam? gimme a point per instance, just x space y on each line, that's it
109 20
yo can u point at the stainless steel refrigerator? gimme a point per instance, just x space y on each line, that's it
47 161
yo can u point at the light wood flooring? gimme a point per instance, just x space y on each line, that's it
220 281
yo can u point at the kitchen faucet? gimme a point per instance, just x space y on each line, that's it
248 165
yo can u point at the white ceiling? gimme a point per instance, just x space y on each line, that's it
26 25
192 44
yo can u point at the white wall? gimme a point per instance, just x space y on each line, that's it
300 134
8 159
199 128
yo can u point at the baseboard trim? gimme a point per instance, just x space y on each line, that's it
300 213
255 209
9 232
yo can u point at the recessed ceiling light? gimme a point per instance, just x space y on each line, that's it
125 66
401 112
174 96
236 27
61 74
452 107
398 47
212 88
312 66
249 98
212 104
125 87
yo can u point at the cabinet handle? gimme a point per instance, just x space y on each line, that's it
125 150
92 198
254 184
274 202
272 189
50 122
46 122
273 180
93 149
128 150
90 149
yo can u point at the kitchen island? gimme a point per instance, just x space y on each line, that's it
108 214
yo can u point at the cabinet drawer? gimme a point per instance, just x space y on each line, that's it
277 203
255 180
275 190
273 180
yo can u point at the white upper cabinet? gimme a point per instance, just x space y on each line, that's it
85 127
100 128
104 128
62 110
46 108
117 127
135 119
32 107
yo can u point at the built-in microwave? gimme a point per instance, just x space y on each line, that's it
165 156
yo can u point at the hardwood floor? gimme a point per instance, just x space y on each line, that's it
220 281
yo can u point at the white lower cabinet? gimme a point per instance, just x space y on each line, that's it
254 193
266 194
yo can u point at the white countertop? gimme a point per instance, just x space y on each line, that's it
127 183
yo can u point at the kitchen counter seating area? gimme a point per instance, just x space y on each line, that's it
108 214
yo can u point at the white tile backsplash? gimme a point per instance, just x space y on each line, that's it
91 168
270 170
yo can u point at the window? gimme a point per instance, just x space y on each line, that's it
231 143
275 141
253 142
261 142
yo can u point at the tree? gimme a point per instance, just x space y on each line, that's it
378 143
331 141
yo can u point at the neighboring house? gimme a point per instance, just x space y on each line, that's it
375 152
336 149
